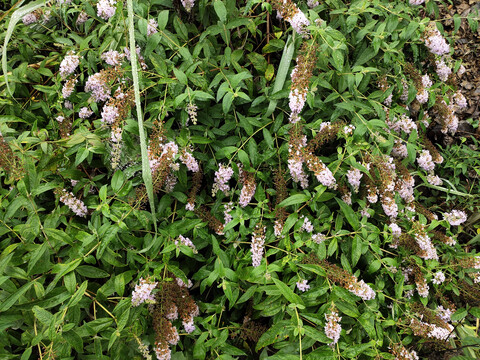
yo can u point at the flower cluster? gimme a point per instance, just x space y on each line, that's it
97 84
189 161
106 8
249 186
188 4
432 331
307 224
320 170
68 88
76 205
301 75
460 100
435 42
30 18
258 241
289 11
172 303
303 285
318 238
332 326
347 280
428 250
82 18
222 177
455 217
443 71
192 113
280 212
425 160
109 114
152 27
69 64
112 57
361 289
400 352
444 313
85 113
143 292
438 278
295 158
227 217
187 242
354 176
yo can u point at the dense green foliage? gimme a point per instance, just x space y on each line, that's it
215 81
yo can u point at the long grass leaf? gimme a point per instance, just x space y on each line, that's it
14 19
282 72
146 172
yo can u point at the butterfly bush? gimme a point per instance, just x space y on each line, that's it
271 173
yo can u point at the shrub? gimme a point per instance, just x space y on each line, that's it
226 179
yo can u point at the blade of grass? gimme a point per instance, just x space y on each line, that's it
146 172
282 73
15 18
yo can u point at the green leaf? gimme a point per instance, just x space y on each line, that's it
287 292
162 19
270 72
82 154
258 61
268 138
367 319
459 314
42 315
354 350
282 73
146 172
273 45
79 294
36 256
295 199
117 180
248 294
475 312
277 332
356 249
12 299
347 308
105 241
92 272
243 157
180 75
26 354
349 214
317 269
317 335
337 59
74 340
220 10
